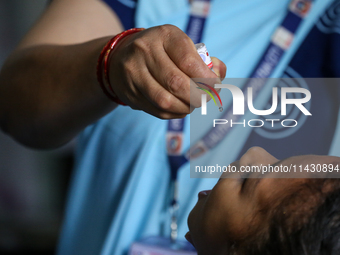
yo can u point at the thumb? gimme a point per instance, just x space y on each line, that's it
219 68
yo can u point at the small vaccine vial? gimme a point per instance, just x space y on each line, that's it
204 54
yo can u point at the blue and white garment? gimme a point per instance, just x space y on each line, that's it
318 56
119 185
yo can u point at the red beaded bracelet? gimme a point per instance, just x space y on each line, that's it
104 57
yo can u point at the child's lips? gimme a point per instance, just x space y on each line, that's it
188 237
203 193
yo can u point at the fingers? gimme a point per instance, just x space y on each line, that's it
152 70
181 50
180 62
167 74
142 92
147 105
161 98
219 68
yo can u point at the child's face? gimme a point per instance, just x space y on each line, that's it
238 207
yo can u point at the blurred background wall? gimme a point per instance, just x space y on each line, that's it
32 183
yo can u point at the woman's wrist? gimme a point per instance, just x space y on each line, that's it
103 64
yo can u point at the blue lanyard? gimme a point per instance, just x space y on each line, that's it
174 137
280 43
198 15
174 145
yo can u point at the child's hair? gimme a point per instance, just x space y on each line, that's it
304 223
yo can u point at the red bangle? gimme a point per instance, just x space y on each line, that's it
104 55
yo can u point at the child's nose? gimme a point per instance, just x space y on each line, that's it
257 156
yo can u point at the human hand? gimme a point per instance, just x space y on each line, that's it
151 71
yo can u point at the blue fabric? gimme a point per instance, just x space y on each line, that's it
119 187
125 9
318 56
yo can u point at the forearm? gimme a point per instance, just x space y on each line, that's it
49 93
